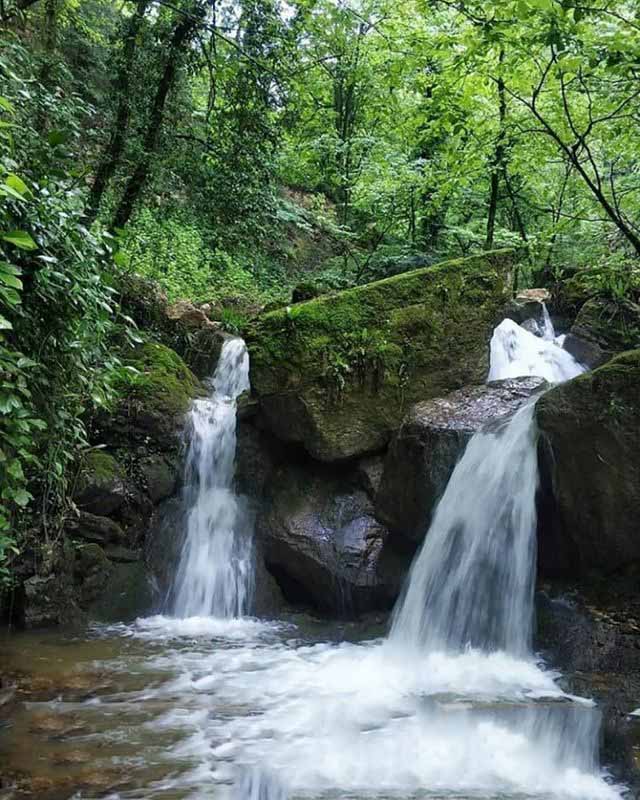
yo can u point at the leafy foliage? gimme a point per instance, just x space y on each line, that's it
57 308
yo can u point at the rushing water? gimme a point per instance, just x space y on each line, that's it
515 352
453 705
214 576
473 582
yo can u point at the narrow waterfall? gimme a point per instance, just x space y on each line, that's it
473 581
215 574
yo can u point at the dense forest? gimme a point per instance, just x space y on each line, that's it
241 153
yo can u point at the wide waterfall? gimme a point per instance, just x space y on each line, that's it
453 704
214 577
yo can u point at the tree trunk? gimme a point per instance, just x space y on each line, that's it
116 146
50 26
181 36
498 161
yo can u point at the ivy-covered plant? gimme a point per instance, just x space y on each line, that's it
57 308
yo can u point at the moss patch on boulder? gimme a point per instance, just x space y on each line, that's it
591 464
100 485
162 381
337 373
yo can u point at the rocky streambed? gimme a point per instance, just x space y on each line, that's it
343 452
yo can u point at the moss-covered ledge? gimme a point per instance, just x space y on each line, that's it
338 372
154 392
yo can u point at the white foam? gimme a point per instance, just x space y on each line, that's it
233 628
369 718
516 353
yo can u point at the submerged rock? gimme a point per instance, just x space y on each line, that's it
430 442
323 544
590 465
336 373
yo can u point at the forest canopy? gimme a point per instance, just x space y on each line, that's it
236 151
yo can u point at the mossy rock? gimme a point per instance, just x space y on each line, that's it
613 326
590 466
154 397
163 383
337 372
101 483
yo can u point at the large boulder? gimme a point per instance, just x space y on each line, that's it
602 329
590 466
323 544
337 373
154 395
430 441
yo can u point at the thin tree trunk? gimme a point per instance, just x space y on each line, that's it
498 161
517 216
116 146
51 26
181 35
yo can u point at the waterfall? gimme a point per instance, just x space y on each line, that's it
215 573
473 582
516 353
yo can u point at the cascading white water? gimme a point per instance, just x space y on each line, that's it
472 584
215 572
516 353
453 704
473 581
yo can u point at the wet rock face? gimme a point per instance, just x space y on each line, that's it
335 373
602 329
430 442
322 543
590 469
592 633
527 306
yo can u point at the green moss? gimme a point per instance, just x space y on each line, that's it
362 354
99 467
162 383
615 326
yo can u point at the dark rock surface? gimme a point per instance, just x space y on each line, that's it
590 470
323 544
602 329
428 445
528 305
100 485
591 632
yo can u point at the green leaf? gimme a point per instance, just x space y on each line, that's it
22 497
9 191
17 183
10 280
20 239
12 269
57 137
5 325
